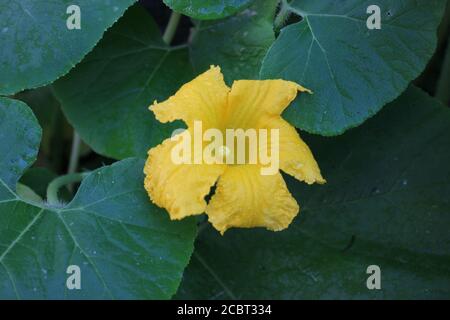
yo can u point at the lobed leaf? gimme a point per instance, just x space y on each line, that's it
38 47
352 70
125 247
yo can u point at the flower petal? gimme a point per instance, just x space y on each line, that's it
203 98
245 198
251 100
296 159
179 188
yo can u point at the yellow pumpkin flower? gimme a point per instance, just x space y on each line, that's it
243 196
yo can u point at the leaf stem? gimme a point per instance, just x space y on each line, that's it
56 184
171 27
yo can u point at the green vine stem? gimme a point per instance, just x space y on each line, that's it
56 184
171 28
74 155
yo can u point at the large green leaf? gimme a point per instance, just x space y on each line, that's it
124 245
237 44
106 97
352 70
37 47
208 9
386 203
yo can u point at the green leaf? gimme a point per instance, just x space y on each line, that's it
352 70
208 9
20 136
106 97
125 246
386 203
37 45
237 44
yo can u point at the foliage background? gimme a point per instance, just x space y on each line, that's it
387 201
